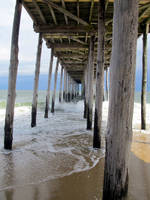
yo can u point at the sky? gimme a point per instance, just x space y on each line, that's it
28 40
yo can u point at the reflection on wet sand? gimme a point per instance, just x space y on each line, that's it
8 175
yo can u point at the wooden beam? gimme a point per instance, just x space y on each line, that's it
70 55
106 4
78 40
91 10
29 12
39 11
147 10
55 29
66 46
64 6
53 14
66 12
78 10
66 62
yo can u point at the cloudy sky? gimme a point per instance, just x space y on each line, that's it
28 43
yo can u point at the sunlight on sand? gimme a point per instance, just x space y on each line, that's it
141 147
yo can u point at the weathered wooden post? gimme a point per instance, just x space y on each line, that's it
60 88
36 82
78 91
99 75
49 84
55 84
90 84
64 91
68 88
144 77
83 89
71 89
13 68
106 84
122 75
85 96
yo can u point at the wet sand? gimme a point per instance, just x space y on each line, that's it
87 185
78 186
139 184
54 163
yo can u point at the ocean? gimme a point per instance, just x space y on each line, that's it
24 97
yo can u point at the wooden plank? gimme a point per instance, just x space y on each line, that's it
13 68
66 12
36 82
58 29
49 84
39 11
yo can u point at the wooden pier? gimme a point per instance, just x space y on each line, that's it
87 39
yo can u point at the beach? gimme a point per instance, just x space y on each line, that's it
56 161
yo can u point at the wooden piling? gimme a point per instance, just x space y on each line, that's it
121 99
49 84
55 84
85 95
64 90
36 82
13 68
71 89
99 76
68 88
144 77
107 84
90 84
60 88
